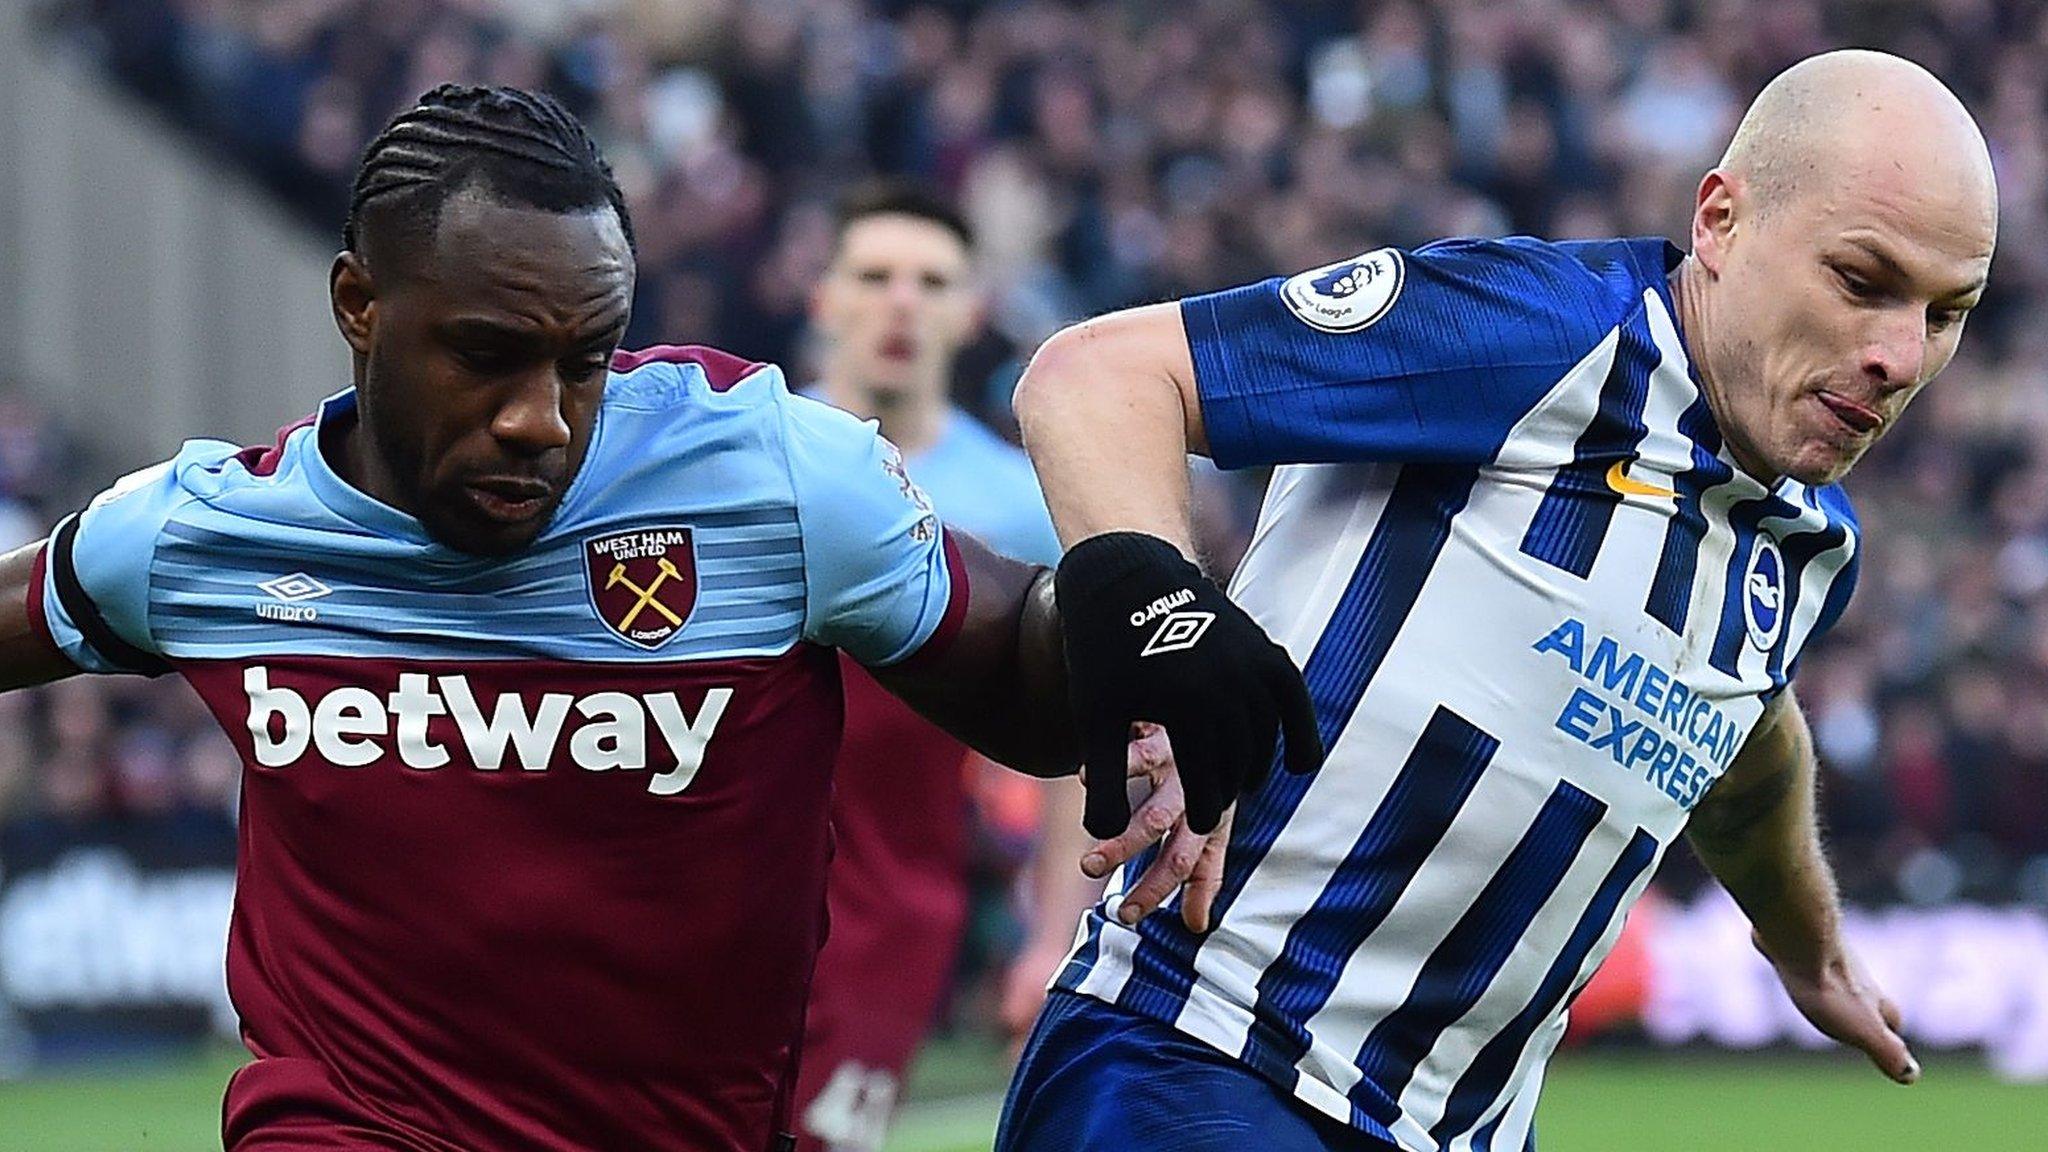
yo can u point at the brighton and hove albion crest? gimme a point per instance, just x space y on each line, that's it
643 583
1763 593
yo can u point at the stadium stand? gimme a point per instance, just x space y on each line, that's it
1111 153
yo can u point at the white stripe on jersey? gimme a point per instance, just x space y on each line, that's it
1470 644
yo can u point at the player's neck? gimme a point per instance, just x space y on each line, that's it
346 446
1695 318
912 419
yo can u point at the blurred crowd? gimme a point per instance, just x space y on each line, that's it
1118 151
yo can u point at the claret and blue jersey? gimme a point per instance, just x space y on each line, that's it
545 834
1538 610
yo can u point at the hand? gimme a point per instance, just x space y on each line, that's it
1149 638
1838 996
1191 861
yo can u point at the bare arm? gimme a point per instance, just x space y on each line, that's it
26 655
1000 685
1757 832
1109 413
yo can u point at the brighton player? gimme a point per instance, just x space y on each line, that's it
1550 527
893 311
528 652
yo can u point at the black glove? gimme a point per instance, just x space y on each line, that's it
1148 637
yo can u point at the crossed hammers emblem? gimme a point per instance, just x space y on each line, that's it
618 576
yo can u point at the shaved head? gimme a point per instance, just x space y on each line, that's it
1836 251
1844 108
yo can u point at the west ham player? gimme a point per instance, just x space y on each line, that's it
530 665
892 312
1550 527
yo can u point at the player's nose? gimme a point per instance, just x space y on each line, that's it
530 420
1897 353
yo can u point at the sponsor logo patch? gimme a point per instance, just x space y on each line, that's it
1348 295
643 583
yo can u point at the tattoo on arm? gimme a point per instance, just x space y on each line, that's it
1727 821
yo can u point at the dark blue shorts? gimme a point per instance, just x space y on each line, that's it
1095 1078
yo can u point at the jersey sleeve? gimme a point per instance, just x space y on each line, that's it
95 574
1026 533
1429 356
881 581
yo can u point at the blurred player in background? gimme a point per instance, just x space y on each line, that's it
1551 526
527 649
893 311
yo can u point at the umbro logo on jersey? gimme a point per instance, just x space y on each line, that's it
1179 632
1618 480
288 596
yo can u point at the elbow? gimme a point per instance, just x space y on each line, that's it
1055 369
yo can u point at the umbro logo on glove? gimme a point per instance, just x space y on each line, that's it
1149 638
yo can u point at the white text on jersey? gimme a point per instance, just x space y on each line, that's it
349 727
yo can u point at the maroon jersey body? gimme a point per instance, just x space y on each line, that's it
533 849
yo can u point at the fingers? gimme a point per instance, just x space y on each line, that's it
1198 895
1888 1050
1176 862
1153 818
1103 772
1863 1018
1892 1055
1298 724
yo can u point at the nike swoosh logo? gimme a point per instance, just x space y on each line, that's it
1617 479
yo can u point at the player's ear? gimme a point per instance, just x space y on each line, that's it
1714 220
353 297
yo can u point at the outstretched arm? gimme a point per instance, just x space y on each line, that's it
1756 831
998 685
1109 413
26 654
1110 410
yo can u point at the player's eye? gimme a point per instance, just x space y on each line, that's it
934 282
1856 285
483 361
583 367
1942 319
875 276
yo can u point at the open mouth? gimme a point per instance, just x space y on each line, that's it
899 349
1856 417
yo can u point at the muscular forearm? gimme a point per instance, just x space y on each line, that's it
1002 688
1104 412
1756 831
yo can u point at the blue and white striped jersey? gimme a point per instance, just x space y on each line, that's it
1538 610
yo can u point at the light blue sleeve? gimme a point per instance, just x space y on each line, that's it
95 590
984 485
878 584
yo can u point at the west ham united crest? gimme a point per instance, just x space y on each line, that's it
643 583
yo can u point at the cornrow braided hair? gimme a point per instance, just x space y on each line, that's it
520 147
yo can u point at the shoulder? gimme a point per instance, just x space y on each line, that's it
668 375
1834 503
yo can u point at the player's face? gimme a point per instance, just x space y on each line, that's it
1836 307
896 305
483 367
